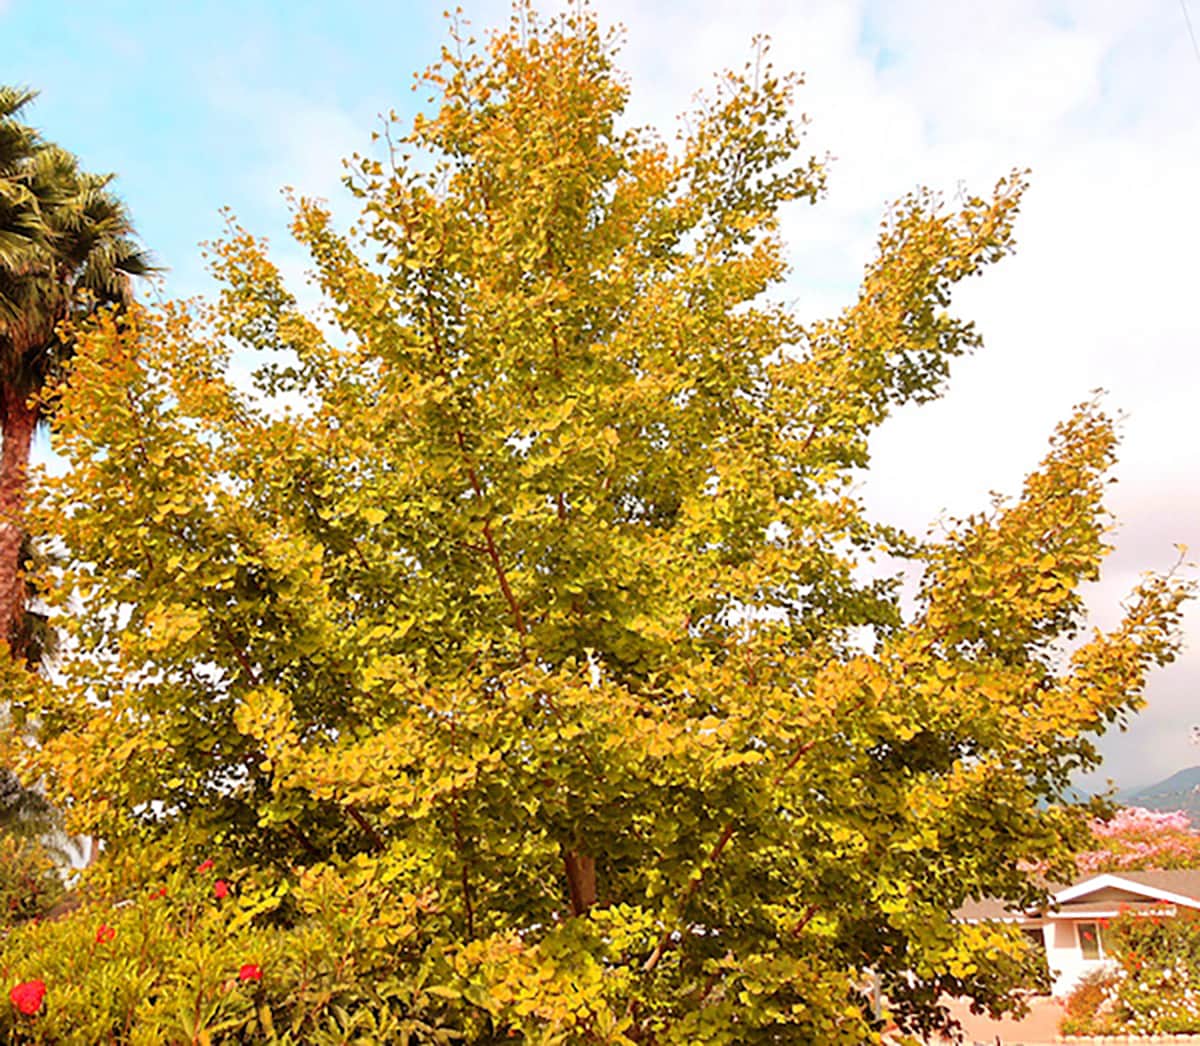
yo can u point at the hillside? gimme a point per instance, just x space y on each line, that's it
1180 791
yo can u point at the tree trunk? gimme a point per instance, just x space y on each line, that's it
19 421
581 880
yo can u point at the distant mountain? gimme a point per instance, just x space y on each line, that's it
1180 791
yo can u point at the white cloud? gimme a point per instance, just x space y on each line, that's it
1099 99
305 140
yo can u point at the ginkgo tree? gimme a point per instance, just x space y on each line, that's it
517 647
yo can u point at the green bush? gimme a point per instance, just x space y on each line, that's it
30 880
1153 987
194 958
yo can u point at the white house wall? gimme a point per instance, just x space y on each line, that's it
1067 964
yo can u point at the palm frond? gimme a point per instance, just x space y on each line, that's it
17 140
67 247
13 100
23 811
39 639
18 240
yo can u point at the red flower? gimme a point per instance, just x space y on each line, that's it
205 866
221 888
160 892
105 934
250 972
28 995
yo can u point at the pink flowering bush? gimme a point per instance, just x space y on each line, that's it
1137 838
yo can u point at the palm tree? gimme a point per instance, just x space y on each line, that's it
66 250
20 220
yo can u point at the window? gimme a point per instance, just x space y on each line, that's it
1089 940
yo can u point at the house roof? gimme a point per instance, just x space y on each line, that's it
1110 908
1175 886
1182 881
987 909
1148 890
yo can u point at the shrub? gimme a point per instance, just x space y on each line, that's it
339 955
30 880
1089 1009
1153 988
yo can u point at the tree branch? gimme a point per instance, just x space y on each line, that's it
468 904
368 829
713 857
240 654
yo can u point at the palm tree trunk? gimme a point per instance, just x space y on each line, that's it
19 419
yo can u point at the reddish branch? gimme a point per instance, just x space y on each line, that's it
305 842
367 828
713 857
240 654
804 920
468 904
493 553
502 577
580 868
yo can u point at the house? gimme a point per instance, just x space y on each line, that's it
1071 928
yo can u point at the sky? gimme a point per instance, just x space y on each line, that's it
204 105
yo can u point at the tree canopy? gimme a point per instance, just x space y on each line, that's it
517 645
